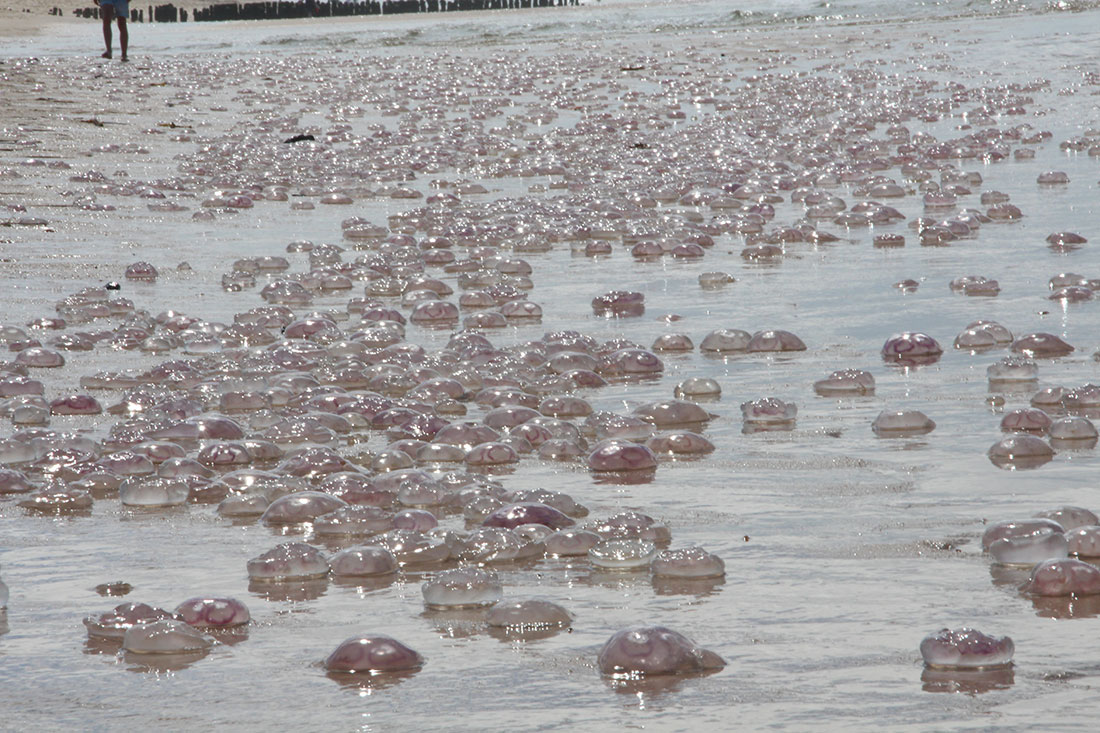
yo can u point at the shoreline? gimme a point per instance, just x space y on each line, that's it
812 521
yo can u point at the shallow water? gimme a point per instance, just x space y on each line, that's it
842 549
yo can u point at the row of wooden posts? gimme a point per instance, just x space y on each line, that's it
314 8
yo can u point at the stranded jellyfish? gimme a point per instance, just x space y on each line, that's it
1070 517
846 382
492 453
1026 420
1052 178
39 358
364 561
631 363
669 413
1028 549
622 554
775 340
698 388
1012 529
681 442
1063 577
975 285
571 542
673 342
302 506
289 561
768 412
165 636
689 562
619 303
1071 429
372 655
654 650
466 587
522 616
725 340
496 544
1013 369
513 515
75 404
966 649
902 423
115 623
1084 541
214 613
1020 450
1038 345
911 348
412 548
621 455
142 271
153 492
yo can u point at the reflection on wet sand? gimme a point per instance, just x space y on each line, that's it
161 663
366 682
698 587
969 682
294 590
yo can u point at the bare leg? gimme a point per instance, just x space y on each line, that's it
108 13
123 36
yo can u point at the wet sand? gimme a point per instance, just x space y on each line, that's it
842 549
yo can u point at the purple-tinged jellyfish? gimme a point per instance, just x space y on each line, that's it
654 650
287 562
902 423
725 340
775 340
364 561
1063 577
966 649
1012 529
465 587
1026 420
846 382
213 613
680 442
911 348
768 412
621 455
619 304
1072 429
513 515
700 388
372 655
165 636
571 542
1084 541
302 506
526 616
1020 450
670 413
114 623
412 548
1029 549
1070 517
1041 345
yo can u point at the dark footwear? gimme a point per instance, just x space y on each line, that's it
105 55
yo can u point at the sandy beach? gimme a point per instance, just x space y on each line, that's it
419 217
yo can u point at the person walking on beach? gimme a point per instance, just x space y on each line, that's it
108 10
